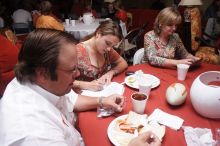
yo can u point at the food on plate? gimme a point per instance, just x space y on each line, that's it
126 128
131 79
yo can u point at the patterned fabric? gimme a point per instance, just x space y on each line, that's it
89 72
195 27
49 22
156 52
208 55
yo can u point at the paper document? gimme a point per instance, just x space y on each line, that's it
112 88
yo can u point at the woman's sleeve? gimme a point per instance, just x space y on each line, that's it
113 55
151 51
181 52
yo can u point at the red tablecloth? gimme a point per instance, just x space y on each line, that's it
94 130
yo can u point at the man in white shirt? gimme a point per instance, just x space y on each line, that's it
37 106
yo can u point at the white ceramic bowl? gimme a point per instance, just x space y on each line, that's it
205 98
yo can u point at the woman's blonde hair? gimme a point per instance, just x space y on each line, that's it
168 16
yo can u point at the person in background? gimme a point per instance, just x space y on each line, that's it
22 14
212 10
38 105
120 12
211 19
88 8
163 47
2 22
47 19
36 13
98 62
108 10
2 11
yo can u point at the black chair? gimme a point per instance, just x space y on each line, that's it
130 43
21 28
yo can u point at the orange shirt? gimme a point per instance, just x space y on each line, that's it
45 21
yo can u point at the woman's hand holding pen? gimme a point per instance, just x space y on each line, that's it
107 77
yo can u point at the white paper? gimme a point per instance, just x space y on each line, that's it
166 119
112 88
198 136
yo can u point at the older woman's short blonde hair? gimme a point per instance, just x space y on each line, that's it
168 16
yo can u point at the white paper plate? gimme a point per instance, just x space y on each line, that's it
119 138
112 132
132 82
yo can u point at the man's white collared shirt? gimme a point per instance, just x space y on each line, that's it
31 116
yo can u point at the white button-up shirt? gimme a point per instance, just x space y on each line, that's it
31 116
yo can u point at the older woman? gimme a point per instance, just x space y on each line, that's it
98 62
163 47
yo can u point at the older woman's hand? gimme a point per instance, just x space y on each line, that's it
188 61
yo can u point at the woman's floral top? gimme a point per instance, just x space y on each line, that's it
155 52
89 72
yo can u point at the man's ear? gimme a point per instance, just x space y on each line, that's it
41 75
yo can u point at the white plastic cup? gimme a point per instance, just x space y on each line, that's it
72 22
139 101
182 70
67 21
144 87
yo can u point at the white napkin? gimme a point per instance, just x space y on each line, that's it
166 119
198 136
112 88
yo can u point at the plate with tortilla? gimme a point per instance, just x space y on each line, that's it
126 127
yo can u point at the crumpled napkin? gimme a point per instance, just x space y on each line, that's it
166 119
198 136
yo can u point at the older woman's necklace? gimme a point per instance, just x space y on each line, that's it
162 42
